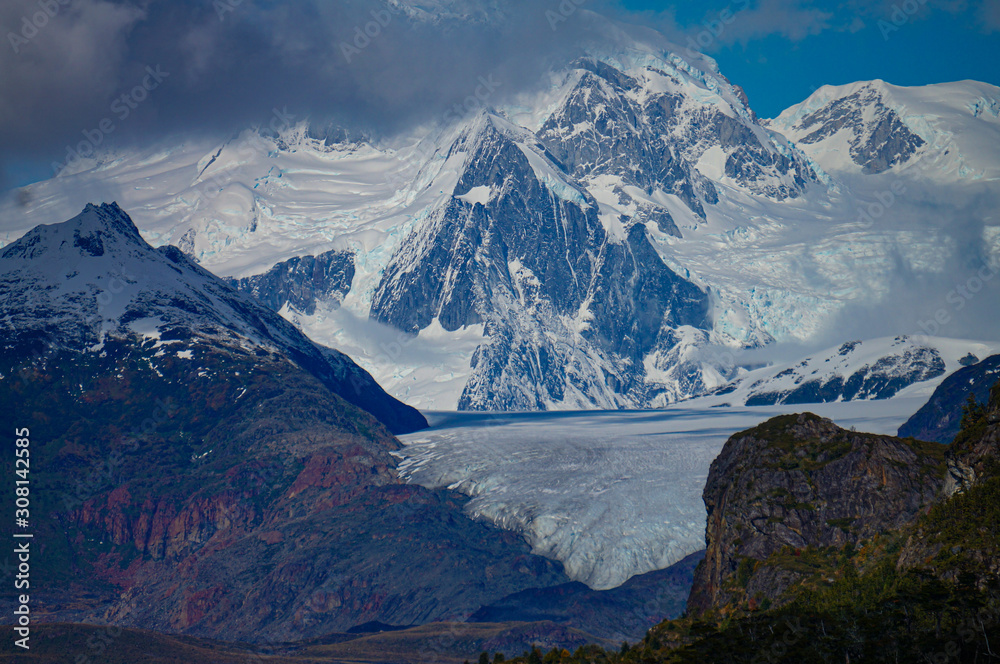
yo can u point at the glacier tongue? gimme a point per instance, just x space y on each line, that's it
607 506
610 494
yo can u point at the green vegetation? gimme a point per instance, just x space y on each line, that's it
744 571
854 606
974 423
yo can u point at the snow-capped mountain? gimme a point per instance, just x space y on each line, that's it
575 247
70 286
641 136
947 131
875 369
435 11
569 310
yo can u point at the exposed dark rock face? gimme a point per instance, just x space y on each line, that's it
974 454
961 536
941 417
800 481
979 443
619 141
923 581
302 282
258 506
877 144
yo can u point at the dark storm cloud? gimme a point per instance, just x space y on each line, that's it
145 68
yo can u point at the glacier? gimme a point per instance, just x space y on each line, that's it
610 494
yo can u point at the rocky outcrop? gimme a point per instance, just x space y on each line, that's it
303 281
800 482
923 581
960 536
978 444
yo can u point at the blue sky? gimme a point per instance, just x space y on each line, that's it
782 50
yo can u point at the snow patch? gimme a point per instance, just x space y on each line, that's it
481 195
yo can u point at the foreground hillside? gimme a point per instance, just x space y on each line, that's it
443 643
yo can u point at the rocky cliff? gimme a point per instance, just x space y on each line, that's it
801 482
962 535
830 546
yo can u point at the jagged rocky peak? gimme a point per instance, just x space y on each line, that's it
800 481
511 203
862 119
487 143
96 271
659 127
90 230
571 299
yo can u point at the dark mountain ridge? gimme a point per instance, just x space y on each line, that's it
195 469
